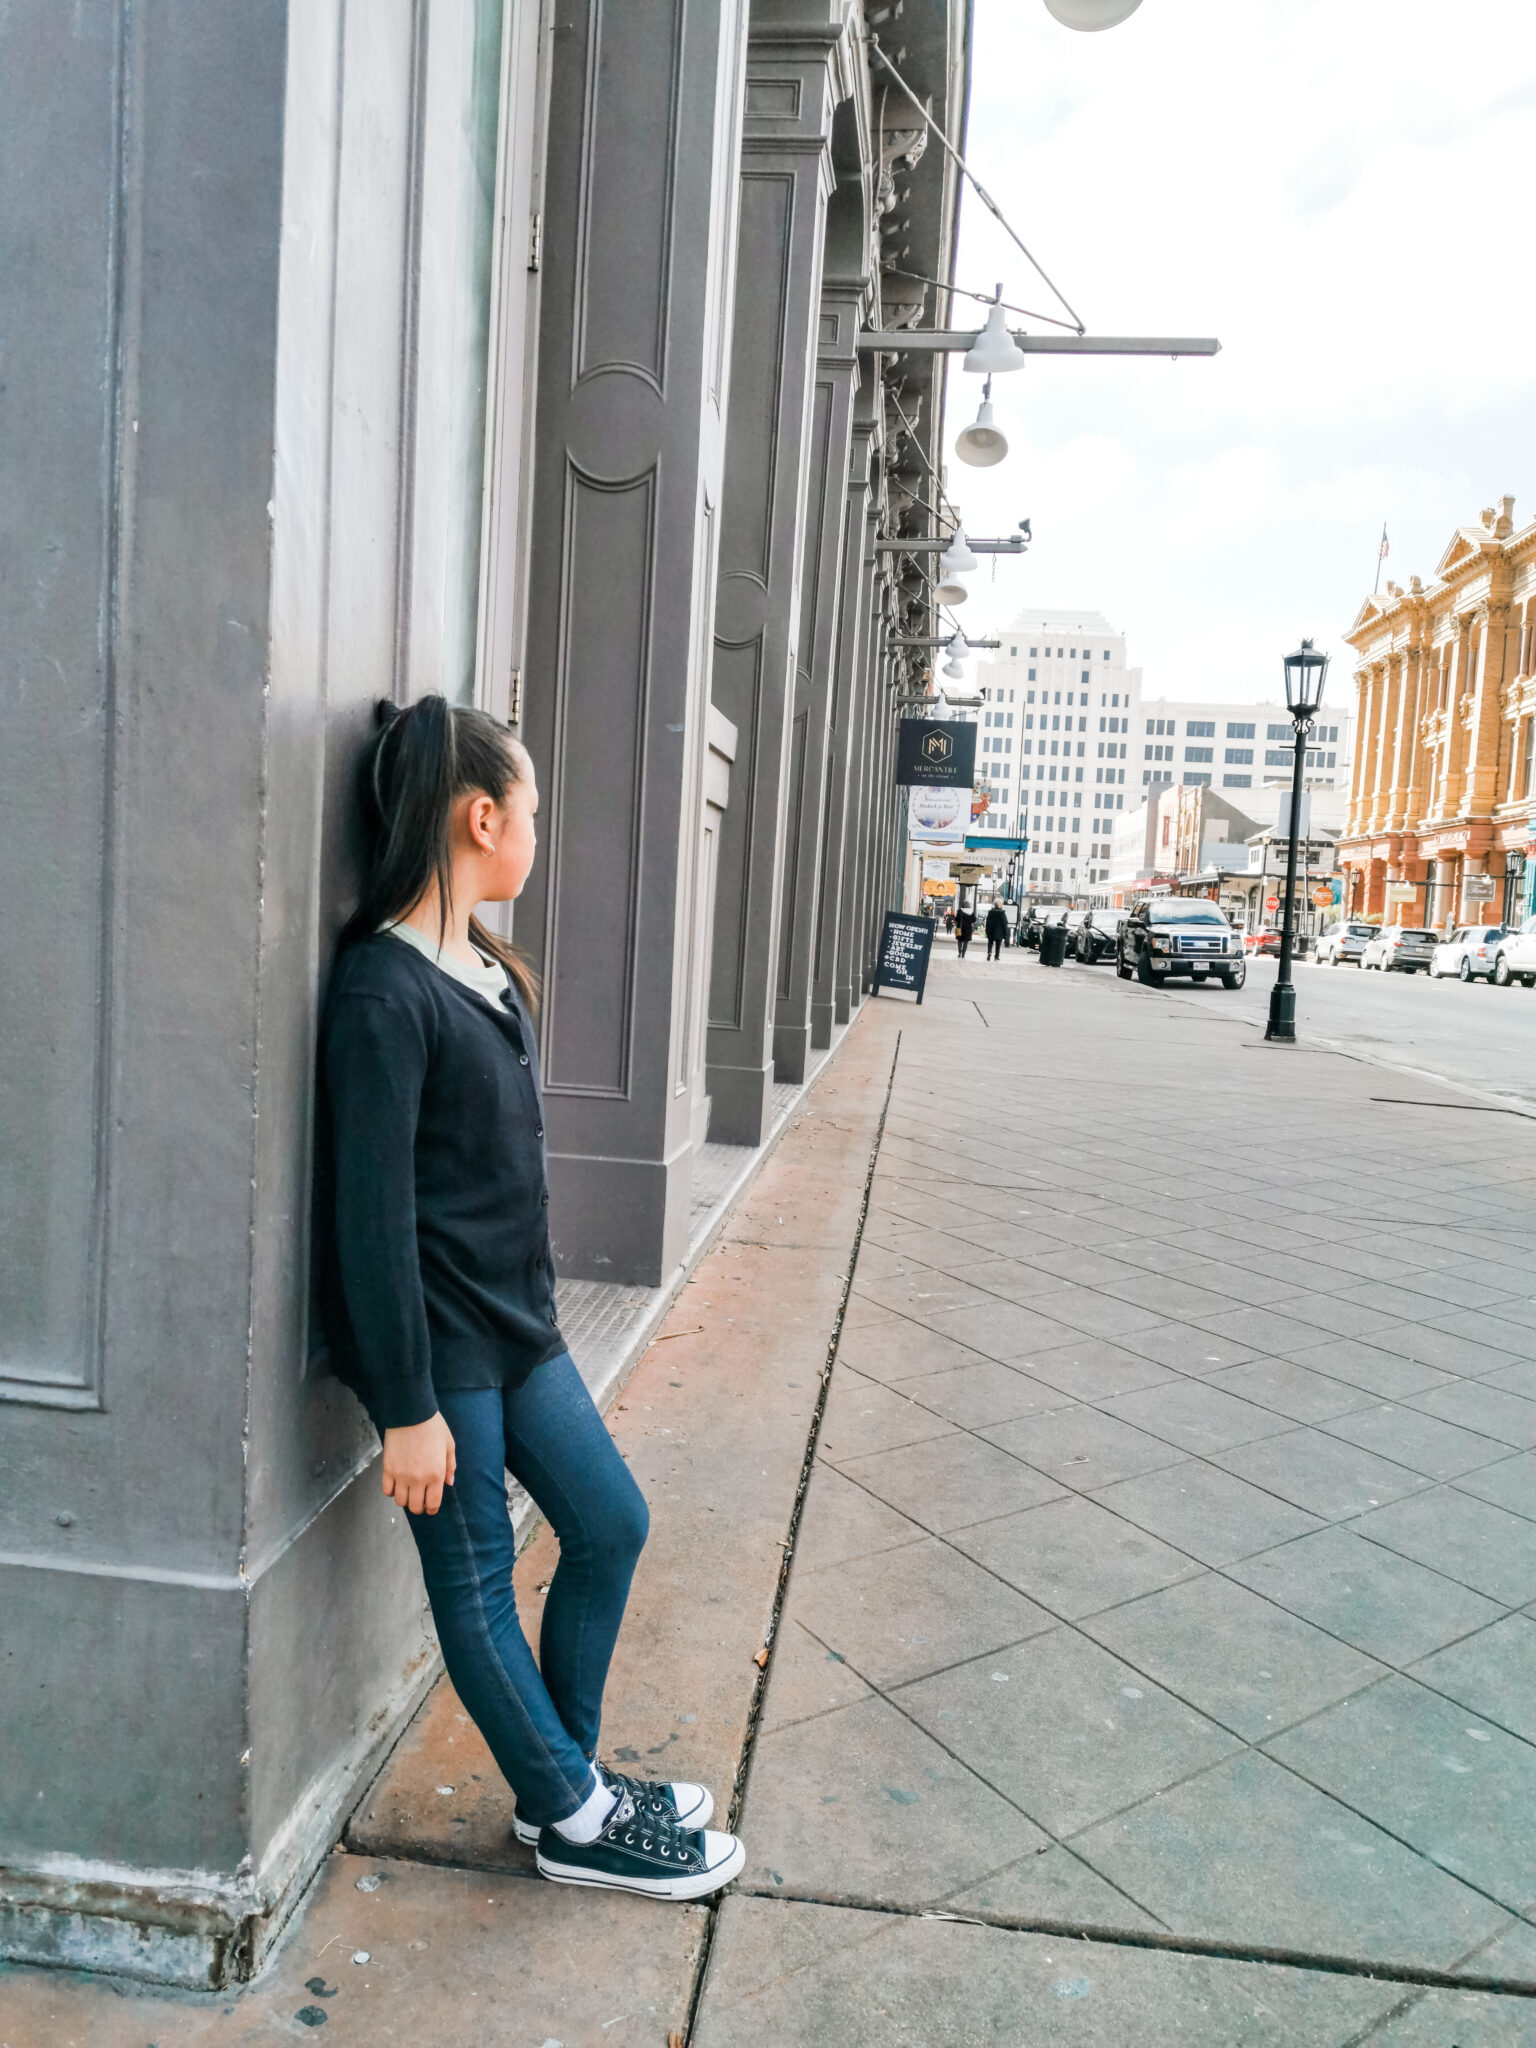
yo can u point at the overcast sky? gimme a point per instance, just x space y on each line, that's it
1337 189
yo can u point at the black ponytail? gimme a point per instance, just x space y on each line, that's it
419 760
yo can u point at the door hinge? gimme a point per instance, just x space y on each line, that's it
535 239
515 698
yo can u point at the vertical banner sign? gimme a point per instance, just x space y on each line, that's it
935 753
905 944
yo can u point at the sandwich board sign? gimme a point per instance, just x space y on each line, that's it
905 943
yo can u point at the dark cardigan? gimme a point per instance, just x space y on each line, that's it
432 1204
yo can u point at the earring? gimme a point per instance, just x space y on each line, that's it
489 852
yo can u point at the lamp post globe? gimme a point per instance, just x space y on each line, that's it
1305 673
1090 15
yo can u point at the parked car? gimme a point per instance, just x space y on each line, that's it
1400 949
1515 958
1183 935
1098 936
1266 941
1029 926
1466 952
1344 942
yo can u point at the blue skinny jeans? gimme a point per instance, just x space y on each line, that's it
540 1721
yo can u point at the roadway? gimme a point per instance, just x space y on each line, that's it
1469 1034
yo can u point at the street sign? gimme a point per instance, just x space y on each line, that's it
966 871
935 753
905 943
1479 889
1271 902
1322 898
1401 892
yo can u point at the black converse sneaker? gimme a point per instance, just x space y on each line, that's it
646 1853
685 1805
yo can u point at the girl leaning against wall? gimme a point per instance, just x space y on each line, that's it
439 1299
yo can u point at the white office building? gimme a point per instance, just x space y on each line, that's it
1237 747
1055 746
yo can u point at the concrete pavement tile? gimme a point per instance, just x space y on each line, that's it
905 1612
1492 1672
408 1812
920 1203
447 1960
1499 1333
1238 1659
1102 1315
1424 1443
1170 1297
1290 1388
1508 1418
1511 1483
1092 1369
1386 1374
1484 1546
1208 1513
1248 1853
1384 1604
863 1416
1263 1332
1452 1350
1323 1474
952 1481
841 1521
1459 2019
1065 1729
917 1290
900 1350
979 1395
1510 1958
1196 1416
1182 1349
860 1804
1000 1329
1454 1787
806 1678
1086 1268
1053 1887
1332 1312
876 1262
1514 1379
1084 1447
914 1983
1073 1556
1016 1240
868 1315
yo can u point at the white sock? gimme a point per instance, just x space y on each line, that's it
591 1817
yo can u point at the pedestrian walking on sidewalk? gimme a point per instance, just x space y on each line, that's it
997 932
965 924
439 1298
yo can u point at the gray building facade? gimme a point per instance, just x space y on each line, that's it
509 348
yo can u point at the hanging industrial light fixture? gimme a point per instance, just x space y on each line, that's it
983 443
1092 14
959 648
950 591
953 668
957 559
994 352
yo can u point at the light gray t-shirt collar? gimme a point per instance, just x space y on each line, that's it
489 979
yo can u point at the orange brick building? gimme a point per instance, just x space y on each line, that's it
1444 784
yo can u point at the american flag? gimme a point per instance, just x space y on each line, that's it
1383 551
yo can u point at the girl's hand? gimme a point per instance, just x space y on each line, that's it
418 1464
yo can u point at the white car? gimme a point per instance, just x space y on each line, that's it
1466 952
1400 949
1515 956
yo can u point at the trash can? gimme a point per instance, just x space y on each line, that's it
1053 945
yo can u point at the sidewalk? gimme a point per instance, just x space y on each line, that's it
1158 1656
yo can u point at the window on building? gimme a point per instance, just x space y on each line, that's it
1031 694
1033 652
1013 654
1086 676
1199 753
1058 654
1280 757
1197 782
1279 732
1239 757
1200 729
1237 782
1239 732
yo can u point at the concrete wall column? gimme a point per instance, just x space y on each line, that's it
1464 657
865 692
1380 745
814 739
793 85
1495 658
1402 736
640 216
842 768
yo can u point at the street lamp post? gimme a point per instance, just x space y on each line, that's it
1305 671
